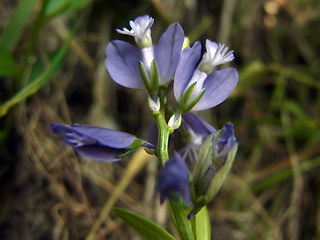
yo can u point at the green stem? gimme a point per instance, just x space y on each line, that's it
183 225
163 138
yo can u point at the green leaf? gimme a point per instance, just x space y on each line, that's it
201 225
146 228
8 66
13 30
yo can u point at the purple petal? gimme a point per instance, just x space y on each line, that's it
188 62
83 135
197 124
122 63
219 86
168 50
107 137
174 179
99 153
225 141
95 143
152 134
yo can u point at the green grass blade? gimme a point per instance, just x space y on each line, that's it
35 85
8 66
146 228
276 178
55 7
13 30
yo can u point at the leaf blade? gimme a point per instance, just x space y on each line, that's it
201 225
146 228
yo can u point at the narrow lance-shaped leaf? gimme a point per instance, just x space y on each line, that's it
146 228
201 225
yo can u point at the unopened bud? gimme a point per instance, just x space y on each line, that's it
216 157
154 105
175 121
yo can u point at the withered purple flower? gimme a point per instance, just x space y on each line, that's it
123 59
173 180
96 143
198 85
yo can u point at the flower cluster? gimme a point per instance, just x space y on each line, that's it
201 156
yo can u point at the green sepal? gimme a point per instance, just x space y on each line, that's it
204 162
204 186
127 153
154 77
222 173
198 204
131 149
145 76
185 97
146 228
195 100
135 144
184 104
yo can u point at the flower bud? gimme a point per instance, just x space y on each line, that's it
173 181
215 160
154 105
175 121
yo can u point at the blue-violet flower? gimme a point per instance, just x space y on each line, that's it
96 143
123 59
203 78
173 180
216 157
140 30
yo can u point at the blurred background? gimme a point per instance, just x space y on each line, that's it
52 69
